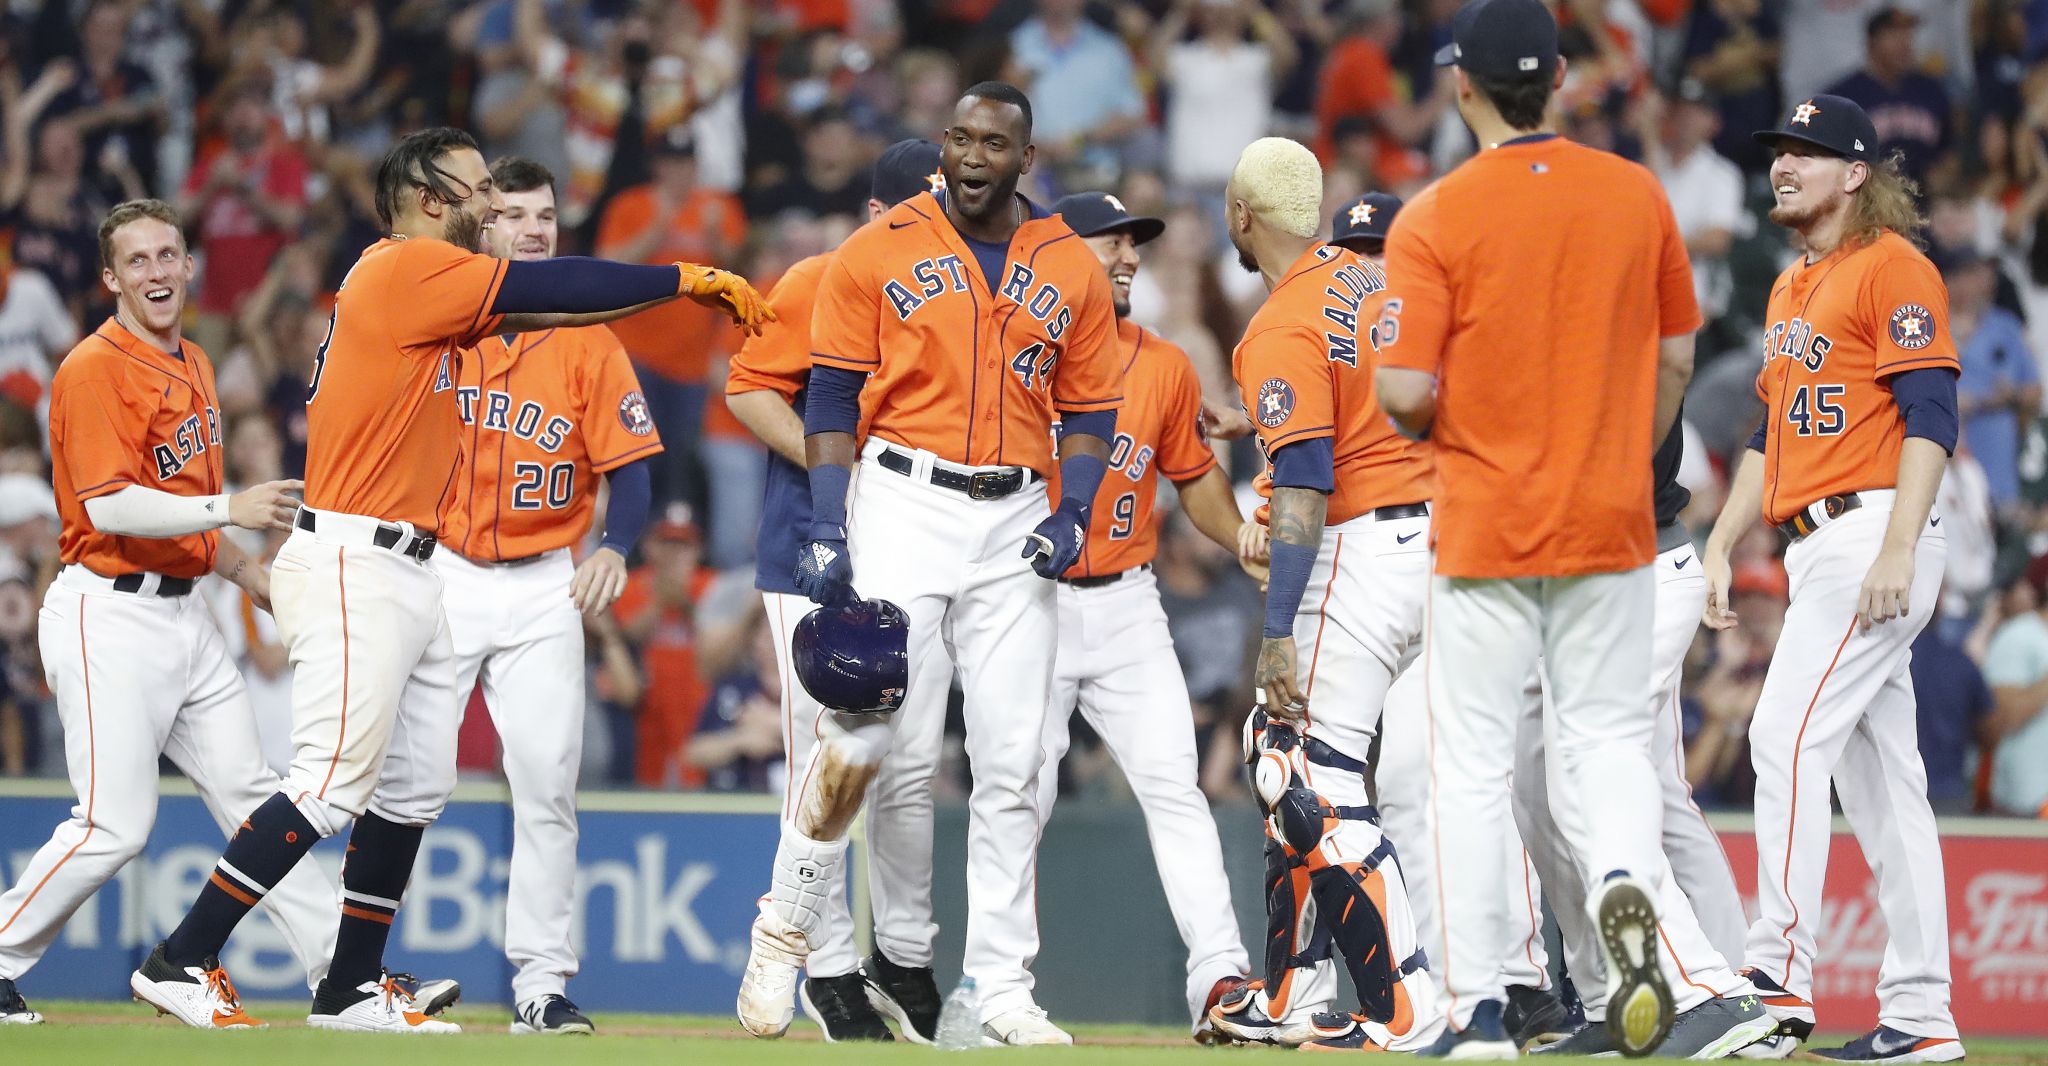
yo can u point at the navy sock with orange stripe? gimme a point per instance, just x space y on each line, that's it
373 877
270 842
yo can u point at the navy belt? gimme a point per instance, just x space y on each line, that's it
1100 580
1802 524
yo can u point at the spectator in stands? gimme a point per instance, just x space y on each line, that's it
2000 386
738 744
36 329
1717 753
1219 85
303 90
47 201
657 616
1909 109
1955 709
615 690
1704 188
1082 83
243 202
1731 48
832 179
1358 82
112 103
2017 668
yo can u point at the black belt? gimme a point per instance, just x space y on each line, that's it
421 549
165 586
1099 580
1401 510
980 485
1802 525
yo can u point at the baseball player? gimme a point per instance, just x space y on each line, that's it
765 390
374 711
1116 658
1553 395
953 328
1858 382
1349 556
138 667
545 415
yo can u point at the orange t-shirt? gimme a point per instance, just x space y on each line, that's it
380 413
543 414
1536 281
1158 434
124 412
676 339
1839 329
1304 371
968 370
673 699
779 359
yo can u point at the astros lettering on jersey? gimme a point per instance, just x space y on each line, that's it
543 414
381 436
904 296
124 412
1837 329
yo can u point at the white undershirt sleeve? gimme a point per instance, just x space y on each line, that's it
136 511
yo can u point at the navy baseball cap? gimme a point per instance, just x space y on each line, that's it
1366 219
1092 213
1502 40
905 169
1831 123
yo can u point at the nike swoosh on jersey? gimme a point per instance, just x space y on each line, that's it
1934 521
1403 540
900 225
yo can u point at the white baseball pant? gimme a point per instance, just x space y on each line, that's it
135 677
1838 704
1116 663
515 628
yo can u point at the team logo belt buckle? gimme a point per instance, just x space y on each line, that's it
991 484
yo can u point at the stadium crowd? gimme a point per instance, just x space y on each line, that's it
740 133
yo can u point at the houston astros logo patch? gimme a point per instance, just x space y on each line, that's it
1361 214
1803 114
1912 327
633 414
1276 402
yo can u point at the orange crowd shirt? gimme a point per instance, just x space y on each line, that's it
124 412
543 415
1304 371
968 368
676 339
1535 282
1838 330
381 425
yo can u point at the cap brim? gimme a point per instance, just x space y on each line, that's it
1361 243
1770 139
1447 55
1142 228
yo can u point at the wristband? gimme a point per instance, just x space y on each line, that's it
1286 582
829 483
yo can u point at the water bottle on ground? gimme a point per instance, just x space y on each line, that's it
960 1018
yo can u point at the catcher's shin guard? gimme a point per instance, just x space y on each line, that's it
1294 943
1352 900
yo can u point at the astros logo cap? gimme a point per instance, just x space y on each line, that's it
1834 124
1361 223
1502 40
905 169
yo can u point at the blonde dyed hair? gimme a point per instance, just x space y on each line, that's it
1283 183
1885 201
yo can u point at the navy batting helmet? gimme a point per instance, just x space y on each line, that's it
854 657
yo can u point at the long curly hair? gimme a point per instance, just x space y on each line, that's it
1887 200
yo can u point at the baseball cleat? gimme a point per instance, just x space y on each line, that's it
768 988
200 996
840 1007
906 994
1775 1046
550 1015
1534 1017
432 996
1718 1028
1339 1032
14 1009
1206 1030
1886 1044
1023 1027
1795 1016
1241 1015
1590 1040
1639 1005
380 1006
1484 1037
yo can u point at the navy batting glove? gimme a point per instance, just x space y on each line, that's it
824 567
1056 544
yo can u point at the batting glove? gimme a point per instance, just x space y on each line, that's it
1056 544
725 291
824 567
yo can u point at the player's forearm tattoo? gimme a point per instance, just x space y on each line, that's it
1297 516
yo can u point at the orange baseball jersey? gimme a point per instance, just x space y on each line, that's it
968 368
1536 281
543 414
380 413
1158 434
1304 371
124 412
779 358
1838 330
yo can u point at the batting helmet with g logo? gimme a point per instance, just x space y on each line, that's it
854 657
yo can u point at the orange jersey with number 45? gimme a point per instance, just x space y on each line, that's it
1838 330
1304 370
543 414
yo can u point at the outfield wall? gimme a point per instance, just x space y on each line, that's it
669 883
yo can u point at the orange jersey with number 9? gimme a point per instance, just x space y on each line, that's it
380 413
968 368
1838 330
543 414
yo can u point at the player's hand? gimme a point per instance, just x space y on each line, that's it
270 505
1717 615
599 580
1253 554
1056 544
725 291
257 585
824 566
1223 422
1274 677
1886 587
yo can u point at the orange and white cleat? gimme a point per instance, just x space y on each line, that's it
381 1006
200 996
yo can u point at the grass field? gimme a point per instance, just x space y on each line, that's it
88 1034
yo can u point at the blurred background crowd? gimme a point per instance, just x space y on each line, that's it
740 133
